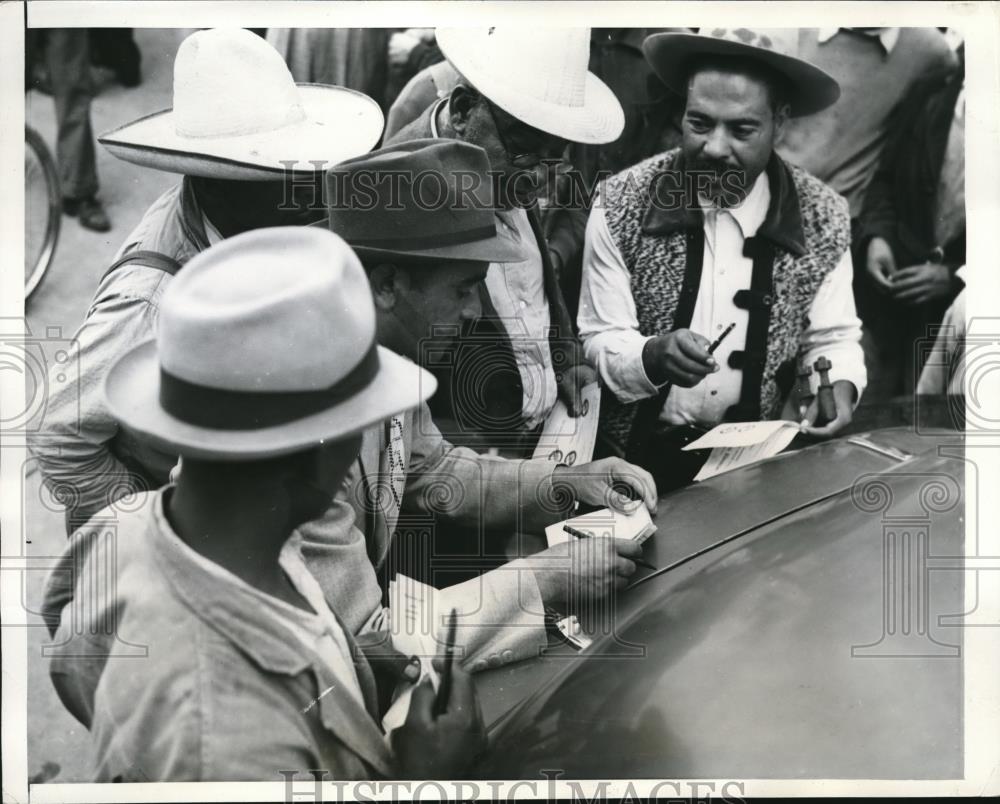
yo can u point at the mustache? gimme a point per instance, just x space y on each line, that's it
716 168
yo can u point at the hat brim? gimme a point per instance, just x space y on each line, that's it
497 249
339 124
599 120
668 54
133 387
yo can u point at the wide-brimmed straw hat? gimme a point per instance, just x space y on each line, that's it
266 346
670 54
424 200
540 76
238 114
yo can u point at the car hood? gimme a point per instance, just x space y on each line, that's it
794 630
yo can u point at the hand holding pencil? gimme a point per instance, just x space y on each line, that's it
681 357
444 732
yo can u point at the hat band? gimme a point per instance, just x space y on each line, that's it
478 234
220 409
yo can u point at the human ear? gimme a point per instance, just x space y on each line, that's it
781 115
384 279
460 105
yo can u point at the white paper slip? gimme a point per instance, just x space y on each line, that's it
725 459
570 440
741 434
414 615
606 522
573 632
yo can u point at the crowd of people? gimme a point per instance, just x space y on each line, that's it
295 347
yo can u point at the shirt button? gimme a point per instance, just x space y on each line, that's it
718 326
714 393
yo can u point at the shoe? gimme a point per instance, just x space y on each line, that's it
90 212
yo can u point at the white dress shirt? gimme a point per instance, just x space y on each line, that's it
517 290
609 327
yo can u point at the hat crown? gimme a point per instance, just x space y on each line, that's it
413 195
272 310
777 40
230 82
548 64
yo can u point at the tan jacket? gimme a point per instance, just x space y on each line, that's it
503 609
181 675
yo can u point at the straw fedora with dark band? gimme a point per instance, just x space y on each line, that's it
238 114
423 200
266 346
670 54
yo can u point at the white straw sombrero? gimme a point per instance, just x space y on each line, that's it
265 346
540 76
238 114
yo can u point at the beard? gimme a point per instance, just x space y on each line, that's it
724 184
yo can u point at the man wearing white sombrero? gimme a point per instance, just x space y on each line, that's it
523 94
719 232
263 379
251 147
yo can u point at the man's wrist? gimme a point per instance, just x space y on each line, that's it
656 375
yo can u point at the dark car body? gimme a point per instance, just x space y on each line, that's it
804 622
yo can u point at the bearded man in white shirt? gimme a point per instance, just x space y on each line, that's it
720 231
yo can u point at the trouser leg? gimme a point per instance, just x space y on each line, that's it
69 69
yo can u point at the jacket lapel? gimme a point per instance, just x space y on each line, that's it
232 612
358 728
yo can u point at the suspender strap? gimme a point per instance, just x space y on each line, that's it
649 409
758 300
151 259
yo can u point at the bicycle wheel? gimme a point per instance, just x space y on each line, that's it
42 209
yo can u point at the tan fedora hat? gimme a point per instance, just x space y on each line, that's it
540 76
813 89
266 346
238 114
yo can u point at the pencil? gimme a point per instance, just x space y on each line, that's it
444 687
717 341
584 535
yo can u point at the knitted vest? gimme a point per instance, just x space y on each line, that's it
657 264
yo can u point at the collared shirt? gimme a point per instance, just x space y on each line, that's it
610 329
887 36
517 291
184 672
317 631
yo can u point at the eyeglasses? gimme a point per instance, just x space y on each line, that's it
525 160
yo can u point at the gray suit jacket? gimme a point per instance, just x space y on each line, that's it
501 612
